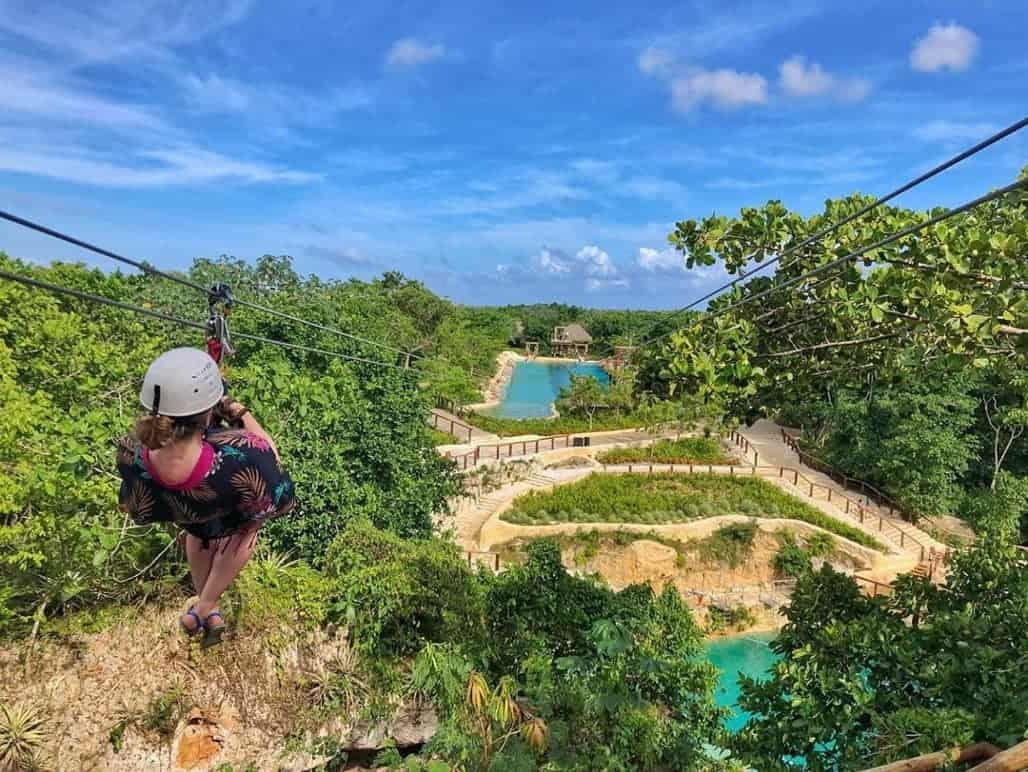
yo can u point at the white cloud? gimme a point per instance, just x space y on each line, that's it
596 261
946 46
551 262
950 131
591 265
663 260
656 61
726 89
410 52
798 78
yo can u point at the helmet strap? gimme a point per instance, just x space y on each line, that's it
156 400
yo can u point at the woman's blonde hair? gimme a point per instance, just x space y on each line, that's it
156 431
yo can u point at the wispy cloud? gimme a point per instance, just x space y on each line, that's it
713 27
25 97
99 32
802 79
411 52
152 168
272 103
953 131
945 47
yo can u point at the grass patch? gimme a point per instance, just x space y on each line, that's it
669 498
687 450
441 438
512 427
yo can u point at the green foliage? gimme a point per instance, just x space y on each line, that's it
859 684
669 498
589 678
730 544
687 450
400 594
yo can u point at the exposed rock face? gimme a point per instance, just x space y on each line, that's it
412 726
199 740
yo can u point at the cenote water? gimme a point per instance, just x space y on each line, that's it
749 654
535 385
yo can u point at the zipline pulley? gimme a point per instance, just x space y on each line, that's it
219 306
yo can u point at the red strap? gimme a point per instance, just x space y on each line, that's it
214 349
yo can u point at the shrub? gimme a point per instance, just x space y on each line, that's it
791 559
729 544
400 594
820 545
688 450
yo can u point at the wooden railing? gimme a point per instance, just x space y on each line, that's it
874 587
868 491
450 425
987 756
450 406
512 449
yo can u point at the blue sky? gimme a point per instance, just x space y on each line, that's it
500 152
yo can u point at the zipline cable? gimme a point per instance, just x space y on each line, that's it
1000 135
149 269
59 290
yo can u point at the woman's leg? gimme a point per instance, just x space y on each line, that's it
199 561
229 558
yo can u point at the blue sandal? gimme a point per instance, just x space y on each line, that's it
199 623
213 633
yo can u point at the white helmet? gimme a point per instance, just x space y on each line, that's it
182 382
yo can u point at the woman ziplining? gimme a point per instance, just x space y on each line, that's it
200 460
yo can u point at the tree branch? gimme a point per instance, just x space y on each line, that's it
829 344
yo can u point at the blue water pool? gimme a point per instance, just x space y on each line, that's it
749 654
535 385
